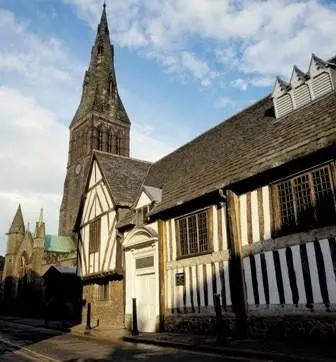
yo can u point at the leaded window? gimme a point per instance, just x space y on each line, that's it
193 234
307 200
94 236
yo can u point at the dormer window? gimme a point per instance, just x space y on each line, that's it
142 215
303 87
302 95
321 84
283 105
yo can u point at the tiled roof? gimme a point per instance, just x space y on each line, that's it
59 244
246 144
124 176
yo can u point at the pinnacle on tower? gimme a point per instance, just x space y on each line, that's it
41 217
17 226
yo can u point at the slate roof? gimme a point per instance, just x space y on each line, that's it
59 244
246 144
126 217
124 176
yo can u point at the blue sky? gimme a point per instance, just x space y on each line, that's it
182 67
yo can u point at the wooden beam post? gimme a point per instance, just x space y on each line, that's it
237 284
162 271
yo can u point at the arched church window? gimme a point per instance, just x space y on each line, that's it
109 142
118 144
100 139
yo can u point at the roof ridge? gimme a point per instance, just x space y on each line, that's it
121 156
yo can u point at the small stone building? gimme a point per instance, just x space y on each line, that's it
28 257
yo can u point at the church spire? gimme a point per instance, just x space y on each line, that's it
100 87
103 25
17 226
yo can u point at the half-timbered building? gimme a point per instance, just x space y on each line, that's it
112 186
247 211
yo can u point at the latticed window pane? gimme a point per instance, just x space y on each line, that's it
322 184
286 203
202 232
303 199
324 198
183 236
192 232
308 200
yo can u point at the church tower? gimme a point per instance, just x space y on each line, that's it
100 123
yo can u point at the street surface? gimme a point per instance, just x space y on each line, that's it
25 343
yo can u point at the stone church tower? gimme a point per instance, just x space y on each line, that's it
100 123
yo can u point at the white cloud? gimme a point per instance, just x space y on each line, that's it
256 38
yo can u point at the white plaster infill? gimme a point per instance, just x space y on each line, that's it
138 236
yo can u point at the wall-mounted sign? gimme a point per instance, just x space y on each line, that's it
179 279
146 262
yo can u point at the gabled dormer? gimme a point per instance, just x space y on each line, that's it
301 94
283 103
303 87
322 76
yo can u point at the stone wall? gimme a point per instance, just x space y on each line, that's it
105 313
198 324
295 326
277 327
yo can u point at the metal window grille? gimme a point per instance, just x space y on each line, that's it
94 236
193 234
307 199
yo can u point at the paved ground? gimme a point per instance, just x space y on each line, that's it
25 343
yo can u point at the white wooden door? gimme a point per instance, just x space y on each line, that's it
146 302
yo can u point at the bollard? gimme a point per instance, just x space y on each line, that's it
219 322
135 331
88 317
